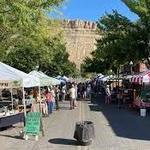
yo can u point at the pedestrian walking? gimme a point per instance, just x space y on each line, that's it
63 93
88 91
57 92
53 97
108 95
36 101
120 98
72 96
83 91
49 100
76 92
44 106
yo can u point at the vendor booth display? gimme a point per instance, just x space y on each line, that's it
13 78
143 100
142 97
25 79
11 119
141 78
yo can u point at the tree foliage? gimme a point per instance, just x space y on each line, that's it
139 7
29 38
142 9
111 48
122 40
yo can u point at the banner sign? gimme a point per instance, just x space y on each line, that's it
6 84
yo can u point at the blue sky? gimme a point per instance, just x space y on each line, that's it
93 9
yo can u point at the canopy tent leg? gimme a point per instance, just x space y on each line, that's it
42 129
12 103
40 108
24 103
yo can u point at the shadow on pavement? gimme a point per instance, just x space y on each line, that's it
125 122
64 108
63 141
95 107
14 137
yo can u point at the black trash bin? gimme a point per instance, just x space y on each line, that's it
84 132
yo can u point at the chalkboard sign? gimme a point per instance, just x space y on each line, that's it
32 123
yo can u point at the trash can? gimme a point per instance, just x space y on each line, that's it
142 112
84 132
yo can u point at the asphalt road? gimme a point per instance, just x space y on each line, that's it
115 129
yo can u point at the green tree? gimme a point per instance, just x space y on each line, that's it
142 9
29 37
139 7
59 63
122 41
20 20
113 48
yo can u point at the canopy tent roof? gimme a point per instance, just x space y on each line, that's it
9 80
143 77
53 81
7 76
10 74
100 75
63 78
127 77
104 78
44 79
66 78
109 78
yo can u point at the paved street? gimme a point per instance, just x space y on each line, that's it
115 129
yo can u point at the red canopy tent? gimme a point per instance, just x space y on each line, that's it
141 78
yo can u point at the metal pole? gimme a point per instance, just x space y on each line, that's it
40 99
11 98
24 103
40 108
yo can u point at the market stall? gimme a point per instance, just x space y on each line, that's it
13 78
141 78
44 81
142 93
11 119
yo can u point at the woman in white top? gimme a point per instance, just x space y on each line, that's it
108 95
72 94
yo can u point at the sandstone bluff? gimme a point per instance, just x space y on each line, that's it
80 37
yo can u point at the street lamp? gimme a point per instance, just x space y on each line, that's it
37 67
131 65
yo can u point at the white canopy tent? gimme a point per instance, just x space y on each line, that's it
100 77
15 77
53 81
9 80
106 78
66 78
26 80
44 79
63 78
